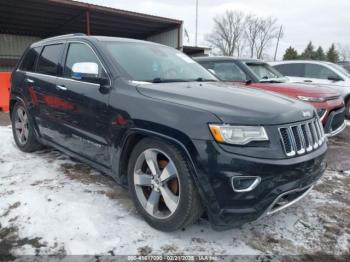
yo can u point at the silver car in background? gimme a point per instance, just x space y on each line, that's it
318 72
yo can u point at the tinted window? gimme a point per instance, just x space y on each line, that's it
291 69
79 53
29 59
49 59
318 71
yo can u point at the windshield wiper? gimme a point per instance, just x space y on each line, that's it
164 80
274 80
201 79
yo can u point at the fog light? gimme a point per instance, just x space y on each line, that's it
245 183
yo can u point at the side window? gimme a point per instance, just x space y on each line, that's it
318 71
296 70
49 59
227 71
29 59
80 53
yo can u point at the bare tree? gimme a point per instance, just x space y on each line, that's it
227 32
266 33
343 51
252 30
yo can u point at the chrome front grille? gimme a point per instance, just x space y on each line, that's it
301 138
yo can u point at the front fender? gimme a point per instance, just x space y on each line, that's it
184 144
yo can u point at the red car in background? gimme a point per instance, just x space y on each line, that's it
258 74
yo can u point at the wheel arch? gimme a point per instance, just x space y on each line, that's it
134 137
13 100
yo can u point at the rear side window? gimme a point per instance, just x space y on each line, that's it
49 59
296 70
28 63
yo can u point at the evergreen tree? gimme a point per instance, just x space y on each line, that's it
309 52
290 54
332 54
320 55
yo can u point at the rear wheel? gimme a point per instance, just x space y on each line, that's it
161 186
22 129
347 109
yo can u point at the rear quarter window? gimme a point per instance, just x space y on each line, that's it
49 59
29 59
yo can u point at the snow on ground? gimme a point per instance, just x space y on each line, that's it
51 204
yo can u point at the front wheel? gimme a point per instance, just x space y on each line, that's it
22 129
161 186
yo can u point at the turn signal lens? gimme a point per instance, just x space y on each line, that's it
215 131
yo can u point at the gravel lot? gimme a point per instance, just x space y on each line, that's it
51 204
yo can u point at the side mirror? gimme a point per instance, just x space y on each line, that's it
86 71
335 78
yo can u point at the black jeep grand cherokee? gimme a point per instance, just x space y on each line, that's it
183 143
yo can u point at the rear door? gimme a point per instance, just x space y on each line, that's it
42 89
85 114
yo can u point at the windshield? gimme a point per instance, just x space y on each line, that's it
156 63
264 71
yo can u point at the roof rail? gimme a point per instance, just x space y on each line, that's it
60 36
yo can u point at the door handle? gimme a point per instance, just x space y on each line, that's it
308 81
28 80
61 87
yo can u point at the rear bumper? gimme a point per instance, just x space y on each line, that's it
335 122
288 180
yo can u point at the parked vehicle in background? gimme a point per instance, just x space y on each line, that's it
318 72
163 126
345 64
258 74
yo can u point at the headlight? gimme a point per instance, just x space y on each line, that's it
311 99
238 135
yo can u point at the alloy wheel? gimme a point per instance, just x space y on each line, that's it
21 125
157 183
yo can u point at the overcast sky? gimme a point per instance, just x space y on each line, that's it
321 21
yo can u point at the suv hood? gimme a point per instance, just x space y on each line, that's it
241 105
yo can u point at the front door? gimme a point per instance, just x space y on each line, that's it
85 115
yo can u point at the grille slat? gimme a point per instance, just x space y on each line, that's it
301 138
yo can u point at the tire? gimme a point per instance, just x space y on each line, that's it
347 108
22 129
165 197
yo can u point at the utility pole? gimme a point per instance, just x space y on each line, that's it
196 36
278 41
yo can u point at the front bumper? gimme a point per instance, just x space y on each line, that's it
280 179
